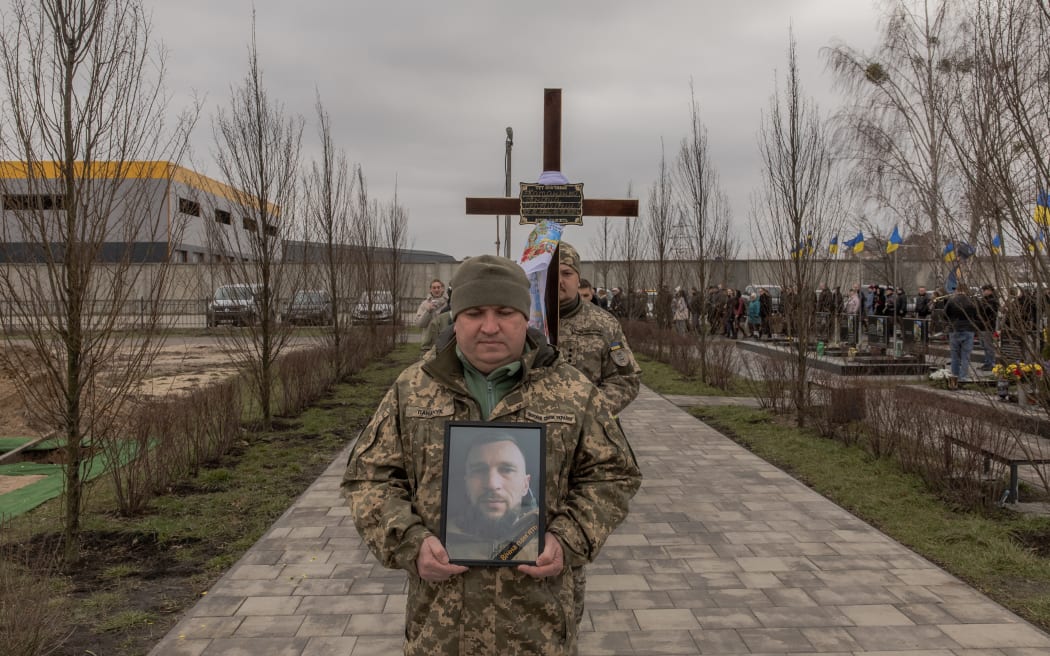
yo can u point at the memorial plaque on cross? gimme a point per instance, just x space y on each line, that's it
552 198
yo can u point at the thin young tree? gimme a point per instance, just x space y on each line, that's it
83 121
329 189
258 148
662 215
796 210
702 200
394 233
367 239
603 248
893 129
631 249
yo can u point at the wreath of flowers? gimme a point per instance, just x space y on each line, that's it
1018 370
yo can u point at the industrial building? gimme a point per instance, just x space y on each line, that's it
159 212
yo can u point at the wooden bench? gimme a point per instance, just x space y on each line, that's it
1012 455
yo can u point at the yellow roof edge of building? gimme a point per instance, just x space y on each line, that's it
135 170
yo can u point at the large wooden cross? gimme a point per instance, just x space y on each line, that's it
552 162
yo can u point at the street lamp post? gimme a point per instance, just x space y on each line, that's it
506 168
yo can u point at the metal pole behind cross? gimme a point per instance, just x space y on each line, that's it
506 167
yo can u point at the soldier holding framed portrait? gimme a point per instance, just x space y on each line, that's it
491 369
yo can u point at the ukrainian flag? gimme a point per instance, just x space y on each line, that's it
858 242
1042 208
833 246
809 243
949 252
895 241
997 244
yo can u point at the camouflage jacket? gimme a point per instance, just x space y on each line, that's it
592 340
394 481
464 544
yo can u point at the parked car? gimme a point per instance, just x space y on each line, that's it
374 307
235 304
309 307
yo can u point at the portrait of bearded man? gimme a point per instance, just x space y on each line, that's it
499 521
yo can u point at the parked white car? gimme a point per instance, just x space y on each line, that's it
374 307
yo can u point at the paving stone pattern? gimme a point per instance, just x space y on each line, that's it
722 554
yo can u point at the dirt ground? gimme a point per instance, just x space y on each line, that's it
183 364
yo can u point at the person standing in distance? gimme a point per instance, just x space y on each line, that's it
428 310
489 367
592 340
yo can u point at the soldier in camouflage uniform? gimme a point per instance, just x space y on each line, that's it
592 340
489 368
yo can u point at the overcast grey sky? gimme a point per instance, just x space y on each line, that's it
421 92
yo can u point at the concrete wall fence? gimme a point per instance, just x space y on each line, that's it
192 285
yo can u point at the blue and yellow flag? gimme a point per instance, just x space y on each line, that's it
809 243
833 245
949 252
1042 208
895 241
997 244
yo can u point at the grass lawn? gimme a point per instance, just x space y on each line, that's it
1004 554
138 574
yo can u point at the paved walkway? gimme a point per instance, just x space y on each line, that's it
722 554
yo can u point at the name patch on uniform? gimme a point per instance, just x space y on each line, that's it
550 417
418 412
618 354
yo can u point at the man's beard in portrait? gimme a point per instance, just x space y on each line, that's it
483 526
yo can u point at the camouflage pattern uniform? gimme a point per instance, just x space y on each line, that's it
592 340
463 544
394 482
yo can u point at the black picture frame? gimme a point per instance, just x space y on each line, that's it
479 489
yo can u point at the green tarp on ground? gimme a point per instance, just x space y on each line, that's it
12 443
26 498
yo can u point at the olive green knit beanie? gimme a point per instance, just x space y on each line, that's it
490 280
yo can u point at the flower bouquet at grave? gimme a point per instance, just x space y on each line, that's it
1026 372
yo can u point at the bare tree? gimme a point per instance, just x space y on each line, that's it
84 118
796 209
395 240
632 250
603 246
894 131
369 260
329 189
705 210
1002 138
258 156
662 215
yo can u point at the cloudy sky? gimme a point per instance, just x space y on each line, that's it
420 93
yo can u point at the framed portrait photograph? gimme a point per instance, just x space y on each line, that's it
492 493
